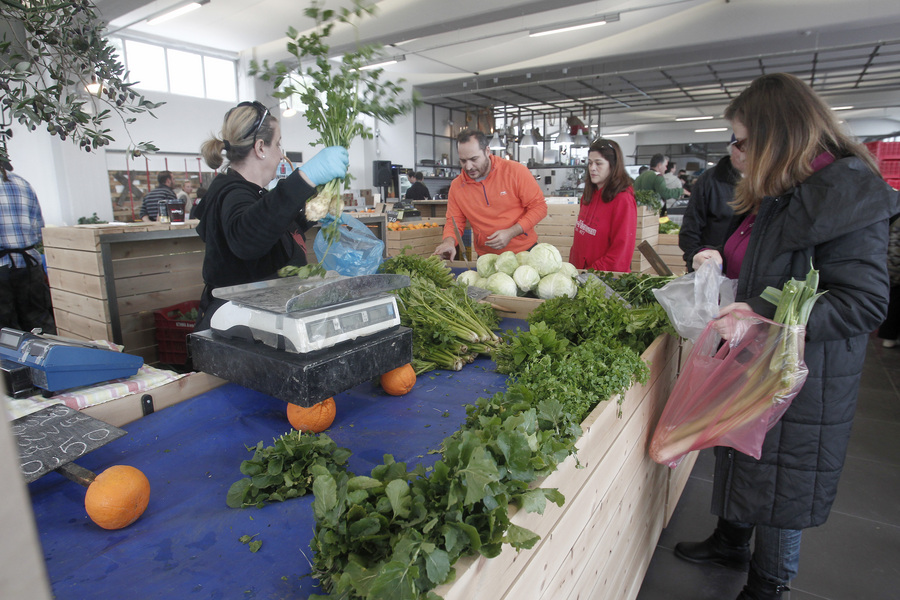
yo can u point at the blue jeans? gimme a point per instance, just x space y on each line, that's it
776 555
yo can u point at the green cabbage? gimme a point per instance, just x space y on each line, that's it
545 258
522 257
555 285
501 284
506 263
485 265
526 278
569 270
468 278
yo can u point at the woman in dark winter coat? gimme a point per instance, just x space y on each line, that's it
251 232
708 214
810 194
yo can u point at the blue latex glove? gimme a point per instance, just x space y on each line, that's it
330 163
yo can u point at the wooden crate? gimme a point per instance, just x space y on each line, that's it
647 230
106 280
421 242
599 543
558 227
668 250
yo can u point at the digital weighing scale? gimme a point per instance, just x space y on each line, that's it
304 341
309 315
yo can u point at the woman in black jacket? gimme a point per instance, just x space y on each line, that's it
810 194
251 232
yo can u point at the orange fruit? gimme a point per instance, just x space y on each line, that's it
316 418
399 381
117 497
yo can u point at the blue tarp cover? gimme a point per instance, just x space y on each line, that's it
186 543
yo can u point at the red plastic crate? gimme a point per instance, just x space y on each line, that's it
883 150
171 332
890 169
894 183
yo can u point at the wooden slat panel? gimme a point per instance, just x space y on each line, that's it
163 247
159 264
555 229
138 321
139 339
79 283
72 238
88 263
158 300
85 328
85 306
160 282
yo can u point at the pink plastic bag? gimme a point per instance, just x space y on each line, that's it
731 394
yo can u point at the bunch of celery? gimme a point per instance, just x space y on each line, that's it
740 397
449 328
334 95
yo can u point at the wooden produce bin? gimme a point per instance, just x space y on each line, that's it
600 542
106 280
668 250
558 227
647 231
422 241
431 208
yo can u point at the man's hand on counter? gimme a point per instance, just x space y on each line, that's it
500 239
447 249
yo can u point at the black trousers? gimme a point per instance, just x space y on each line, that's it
25 298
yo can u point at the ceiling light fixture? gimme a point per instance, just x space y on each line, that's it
614 135
841 108
711 130
171 13
495 143
94 86
694 118
563 139
574 25
383 63
527 141
581 141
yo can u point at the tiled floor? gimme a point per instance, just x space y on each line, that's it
855 555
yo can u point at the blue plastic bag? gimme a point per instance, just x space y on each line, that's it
356 252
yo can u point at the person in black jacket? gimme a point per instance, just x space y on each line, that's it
418 190
810 195
708 214
251 232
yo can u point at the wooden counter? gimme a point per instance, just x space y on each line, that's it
106 280
431 208
600 542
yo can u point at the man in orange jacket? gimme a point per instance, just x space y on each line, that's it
498 198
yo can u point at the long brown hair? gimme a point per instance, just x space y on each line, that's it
239 132
618 177
788 126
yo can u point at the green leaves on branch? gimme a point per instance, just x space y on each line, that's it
49 53
334 95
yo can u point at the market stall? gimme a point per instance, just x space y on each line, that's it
189 541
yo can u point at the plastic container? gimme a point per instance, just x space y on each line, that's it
171 332
890 169
884 150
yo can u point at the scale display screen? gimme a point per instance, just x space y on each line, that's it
348 322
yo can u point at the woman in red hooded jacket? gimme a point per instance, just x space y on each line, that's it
607 222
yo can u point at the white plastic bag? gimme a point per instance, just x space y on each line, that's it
693 300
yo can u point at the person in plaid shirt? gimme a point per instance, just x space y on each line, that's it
24 291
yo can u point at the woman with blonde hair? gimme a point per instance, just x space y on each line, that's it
810 196
250 231
606 230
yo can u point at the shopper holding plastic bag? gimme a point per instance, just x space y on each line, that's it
810 195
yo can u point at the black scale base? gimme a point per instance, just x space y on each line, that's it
303 379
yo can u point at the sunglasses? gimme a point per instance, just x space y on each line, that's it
739 144
261 113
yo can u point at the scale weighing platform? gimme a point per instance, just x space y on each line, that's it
305 340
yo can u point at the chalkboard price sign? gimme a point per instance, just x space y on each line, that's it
55 436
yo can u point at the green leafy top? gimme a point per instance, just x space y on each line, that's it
334 94
49 53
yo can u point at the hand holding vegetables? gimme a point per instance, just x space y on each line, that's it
330 163
724 325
